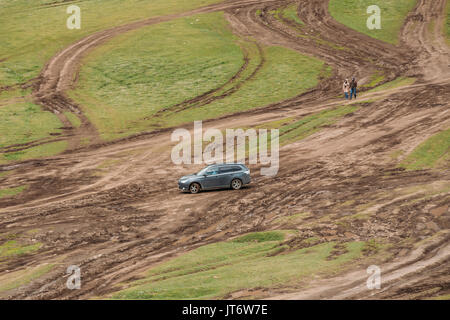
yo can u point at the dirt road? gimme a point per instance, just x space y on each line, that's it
105 207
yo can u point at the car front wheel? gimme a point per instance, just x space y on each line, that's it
194 188
236 184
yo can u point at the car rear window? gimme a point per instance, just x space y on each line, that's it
230 169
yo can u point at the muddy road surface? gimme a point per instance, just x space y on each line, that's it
114 209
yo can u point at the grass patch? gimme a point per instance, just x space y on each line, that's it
292 130
284 75
41 151
74 120
353 13
125 82
399 82
290 13
293 218
33 31
443 297
447 23
215 270
431 153
24 122
9 192
374 80
20 278
135 75
5 173
308 125
13 248
261 237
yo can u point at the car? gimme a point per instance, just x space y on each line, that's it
216 176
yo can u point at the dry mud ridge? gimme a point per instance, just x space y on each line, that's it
116 223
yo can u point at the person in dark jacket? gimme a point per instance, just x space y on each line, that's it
353 86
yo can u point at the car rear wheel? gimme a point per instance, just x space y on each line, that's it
194 188
236 184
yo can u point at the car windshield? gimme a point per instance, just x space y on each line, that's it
203 171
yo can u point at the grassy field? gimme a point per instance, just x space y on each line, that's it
310 124
447 23
41 151
33 31
125 82
290 12
19 278
14 248
353 13
9 192
23 121
294 129
434 152
399 82
252 261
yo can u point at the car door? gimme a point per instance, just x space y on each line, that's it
211 179
225 175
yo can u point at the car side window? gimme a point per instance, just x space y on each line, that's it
224 170
211 172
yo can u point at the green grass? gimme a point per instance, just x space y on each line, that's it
214 270
447 23
23 122
9 192
32 33
433 152
137 74
261 237
125 82
285 74
13 248
41 151
374 80
5 173
310 124
399 82
290 13
353 13
292 129
74 120
20 278
443 297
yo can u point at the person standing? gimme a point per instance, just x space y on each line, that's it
346 88
353 86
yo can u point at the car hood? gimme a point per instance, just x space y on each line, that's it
188 176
